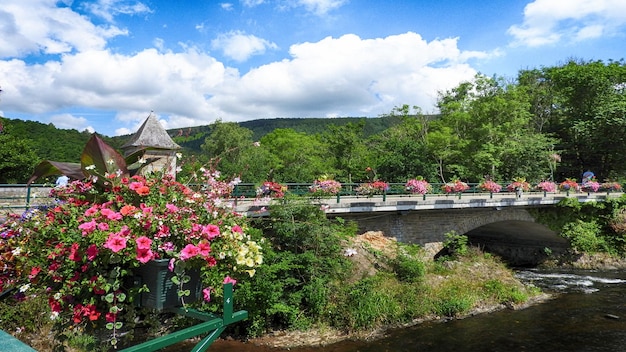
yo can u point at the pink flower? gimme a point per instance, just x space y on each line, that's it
170 264
211 231
103 226
92 252
88 227
206 293
146 209
144 255
189 251
205 248
74 255
92 211
143 242
111 215
171 207
115 242
229 280
237 228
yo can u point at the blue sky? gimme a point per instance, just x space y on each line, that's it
104 65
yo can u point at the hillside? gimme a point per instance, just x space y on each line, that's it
51 143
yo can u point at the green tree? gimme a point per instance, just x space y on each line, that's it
346 146
232 146
489 121
17 159
590 116
296 156
400 151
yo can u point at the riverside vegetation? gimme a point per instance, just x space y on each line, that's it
320 275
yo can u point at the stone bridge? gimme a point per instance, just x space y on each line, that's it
500 224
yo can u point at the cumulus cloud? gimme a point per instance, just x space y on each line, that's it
68 121
240 46
345 76
550 21
39 26
348 76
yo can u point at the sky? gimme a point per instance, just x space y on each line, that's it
105 65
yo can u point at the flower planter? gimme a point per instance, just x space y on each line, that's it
163 293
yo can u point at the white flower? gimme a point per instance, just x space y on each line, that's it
142 160
256 144
54 315
349 252
179 155
24 288
179 169
16 251
90 167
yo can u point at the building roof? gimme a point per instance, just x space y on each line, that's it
150 135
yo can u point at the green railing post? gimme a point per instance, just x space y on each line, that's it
28 197
338 198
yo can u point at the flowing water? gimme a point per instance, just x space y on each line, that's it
588 314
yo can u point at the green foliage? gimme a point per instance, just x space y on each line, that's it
33 314
504 293
17 159
303 265
585 236
408 268
455 244
367 305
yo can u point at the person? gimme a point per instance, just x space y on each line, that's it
62 181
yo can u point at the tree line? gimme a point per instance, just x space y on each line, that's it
548 123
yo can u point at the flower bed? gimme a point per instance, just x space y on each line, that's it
546 186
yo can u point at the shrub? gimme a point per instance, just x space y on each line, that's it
409 269
455 244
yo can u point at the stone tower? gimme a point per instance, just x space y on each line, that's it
160 146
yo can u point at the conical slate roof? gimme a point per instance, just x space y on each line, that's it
151 135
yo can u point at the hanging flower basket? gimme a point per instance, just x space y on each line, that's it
456 186
418 186
490 186
546 186
158 278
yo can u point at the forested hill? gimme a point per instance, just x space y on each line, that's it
193 137
51 143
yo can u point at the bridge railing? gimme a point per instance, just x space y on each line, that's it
18 197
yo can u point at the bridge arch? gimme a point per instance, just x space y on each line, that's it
511 233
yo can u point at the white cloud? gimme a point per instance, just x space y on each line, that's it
550 21
69 121
108 9
348 76
345 76
240 46
38 26
321 7
252 3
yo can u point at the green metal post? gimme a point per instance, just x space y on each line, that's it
28 197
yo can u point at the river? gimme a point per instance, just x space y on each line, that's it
587 314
